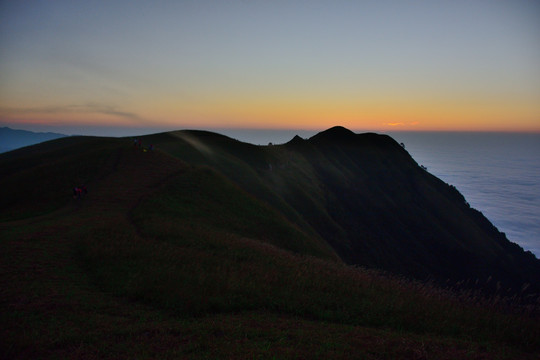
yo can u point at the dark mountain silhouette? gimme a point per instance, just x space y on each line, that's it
207 247
366 197
11 139
387 212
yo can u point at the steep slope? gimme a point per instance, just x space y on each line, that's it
207 258
367 198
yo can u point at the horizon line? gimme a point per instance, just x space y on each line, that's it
101 130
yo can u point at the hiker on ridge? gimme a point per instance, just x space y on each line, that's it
78 191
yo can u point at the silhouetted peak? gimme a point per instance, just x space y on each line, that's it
334 134
296 142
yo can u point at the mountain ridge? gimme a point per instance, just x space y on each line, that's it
366 197
205 247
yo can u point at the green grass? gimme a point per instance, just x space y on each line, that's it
119 295
45 179
168 260
203 198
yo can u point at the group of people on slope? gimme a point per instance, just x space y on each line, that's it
137 143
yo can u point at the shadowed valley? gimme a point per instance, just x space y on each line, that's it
206 246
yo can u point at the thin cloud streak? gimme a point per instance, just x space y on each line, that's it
399 124
89 108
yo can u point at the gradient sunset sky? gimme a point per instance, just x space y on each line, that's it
367 65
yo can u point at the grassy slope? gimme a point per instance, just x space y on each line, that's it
367 198
163 259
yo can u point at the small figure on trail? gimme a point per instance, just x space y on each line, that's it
139 143
79 191
151 147
135 142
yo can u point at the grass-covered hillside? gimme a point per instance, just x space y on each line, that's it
369 200
207 247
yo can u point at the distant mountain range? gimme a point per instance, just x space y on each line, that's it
11 139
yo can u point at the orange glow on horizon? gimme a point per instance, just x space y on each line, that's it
294 113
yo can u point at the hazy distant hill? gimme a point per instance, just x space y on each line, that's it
207 247
13 139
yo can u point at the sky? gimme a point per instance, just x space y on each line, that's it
97 66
